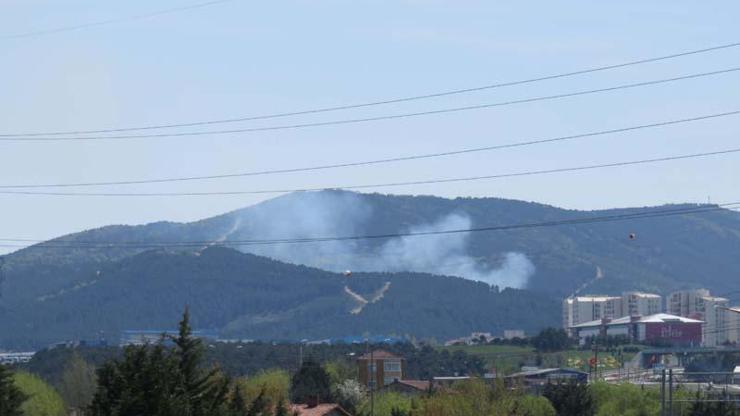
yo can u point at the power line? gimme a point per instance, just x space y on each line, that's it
380 161
128 19
510 227
371 119
386 101
379 185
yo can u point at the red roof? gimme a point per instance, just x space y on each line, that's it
319 410
379 355
417 384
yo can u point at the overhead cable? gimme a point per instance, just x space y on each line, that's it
378 185
669 212
385 101
45 32
378 161
368 119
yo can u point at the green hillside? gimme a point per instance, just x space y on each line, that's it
245 296
107 280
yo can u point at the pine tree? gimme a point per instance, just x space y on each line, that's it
237 405
202 393
310 382
259 406
160 381
11 398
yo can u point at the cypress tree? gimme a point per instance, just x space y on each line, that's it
237 405
11 398
259 406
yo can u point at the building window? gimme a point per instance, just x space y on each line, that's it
392 366
389 380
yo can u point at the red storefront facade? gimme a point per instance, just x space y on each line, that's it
676 333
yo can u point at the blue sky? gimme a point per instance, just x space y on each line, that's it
246 58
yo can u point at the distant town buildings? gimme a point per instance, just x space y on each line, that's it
152 336
15 357
513 333
719 323
485 337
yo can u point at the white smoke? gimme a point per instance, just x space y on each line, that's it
346 214
447 254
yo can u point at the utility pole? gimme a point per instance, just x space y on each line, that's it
375 381
662 392
300 355
670 392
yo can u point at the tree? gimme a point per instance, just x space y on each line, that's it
159 381
11 397
237 405
570 399
349 394
43 400
310 382
78 383
624 399
551 339
260 406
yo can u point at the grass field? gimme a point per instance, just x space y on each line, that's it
507 359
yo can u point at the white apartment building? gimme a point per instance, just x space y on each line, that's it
733 324
580 309
685 302
713 310
641 304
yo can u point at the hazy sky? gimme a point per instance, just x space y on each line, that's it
245 58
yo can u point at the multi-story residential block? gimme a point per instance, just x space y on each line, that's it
641 304
685 302
713 310
580 309
732 315
380 368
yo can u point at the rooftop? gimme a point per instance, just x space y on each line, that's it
318 410
642 295
658 317
378 355
545 371
595 298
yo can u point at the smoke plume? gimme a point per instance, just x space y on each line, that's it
346 214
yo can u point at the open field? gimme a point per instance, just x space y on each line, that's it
508 359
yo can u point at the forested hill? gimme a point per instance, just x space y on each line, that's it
668 253
241 295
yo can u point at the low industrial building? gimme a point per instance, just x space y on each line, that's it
652 329
548 375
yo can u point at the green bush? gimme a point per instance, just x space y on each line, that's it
43 399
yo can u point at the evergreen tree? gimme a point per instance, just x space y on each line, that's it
570 399
159 381
11 398
260 406
310 382
237 405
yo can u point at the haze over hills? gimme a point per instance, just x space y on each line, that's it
59 283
